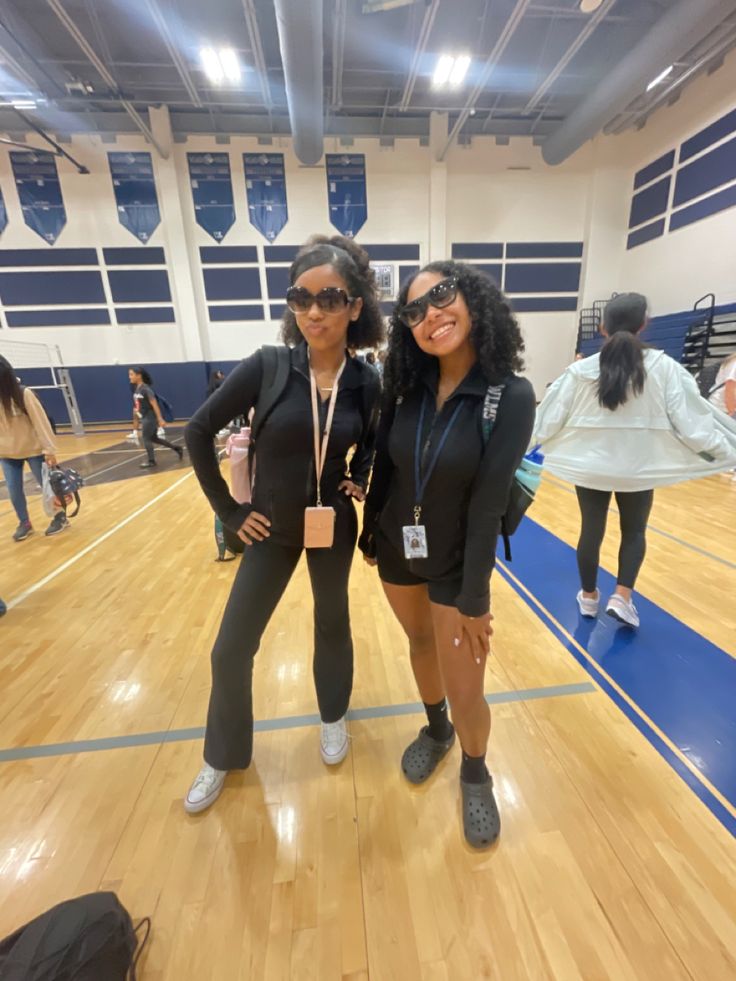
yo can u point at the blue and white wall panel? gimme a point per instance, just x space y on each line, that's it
685 185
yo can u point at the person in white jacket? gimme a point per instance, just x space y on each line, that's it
625 421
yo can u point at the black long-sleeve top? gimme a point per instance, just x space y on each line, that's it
285 481
467 493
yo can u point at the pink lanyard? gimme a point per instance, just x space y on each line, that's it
320 451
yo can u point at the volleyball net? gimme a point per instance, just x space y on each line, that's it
49 373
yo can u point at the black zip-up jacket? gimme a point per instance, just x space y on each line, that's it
285 469
467 493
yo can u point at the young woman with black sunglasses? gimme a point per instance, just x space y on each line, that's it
302 495
438 492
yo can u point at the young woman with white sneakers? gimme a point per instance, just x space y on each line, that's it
623 422
325 403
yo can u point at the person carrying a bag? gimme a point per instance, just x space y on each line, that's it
25 437
438 494
313 402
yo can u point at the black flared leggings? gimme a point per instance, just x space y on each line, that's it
263 575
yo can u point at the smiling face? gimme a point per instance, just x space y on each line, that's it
323 330
443 330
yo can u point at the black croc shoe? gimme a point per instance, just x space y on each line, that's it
481 820
421 757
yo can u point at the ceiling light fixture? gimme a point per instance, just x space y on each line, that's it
230 65
459 70
23 104
220 64
589 6
442 71
450 71
660 78
211 64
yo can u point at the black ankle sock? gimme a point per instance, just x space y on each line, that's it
440 727
473 769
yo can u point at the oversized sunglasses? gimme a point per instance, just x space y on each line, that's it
441 295
330 300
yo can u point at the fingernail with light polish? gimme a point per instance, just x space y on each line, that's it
456 642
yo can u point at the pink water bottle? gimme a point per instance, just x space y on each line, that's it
237 449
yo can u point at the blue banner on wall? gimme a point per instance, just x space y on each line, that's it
265 186
135 193
3 214
346 192
212 191
39 191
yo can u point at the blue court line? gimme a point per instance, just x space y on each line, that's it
270 725
665 534
679 682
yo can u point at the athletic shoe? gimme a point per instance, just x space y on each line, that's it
205 790
147 464
333 743
588 607
24 529
223 434
58 523
622 610
3 609
180 452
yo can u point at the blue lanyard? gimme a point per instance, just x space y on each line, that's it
420 483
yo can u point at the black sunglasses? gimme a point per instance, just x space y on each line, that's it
441 295
331 299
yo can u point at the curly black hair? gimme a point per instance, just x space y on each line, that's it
494 333
351 262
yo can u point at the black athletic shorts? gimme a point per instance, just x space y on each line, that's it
394 569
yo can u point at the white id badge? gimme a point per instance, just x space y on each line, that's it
415 542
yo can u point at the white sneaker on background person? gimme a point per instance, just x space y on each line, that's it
622 610
333 742
205 789
588 607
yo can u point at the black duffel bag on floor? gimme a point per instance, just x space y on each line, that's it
90 938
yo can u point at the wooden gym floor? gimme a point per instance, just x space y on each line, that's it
614 758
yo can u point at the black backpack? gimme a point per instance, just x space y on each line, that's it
167 410
707 379
90 938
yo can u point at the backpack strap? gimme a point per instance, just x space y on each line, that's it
276 368
490 409
716 388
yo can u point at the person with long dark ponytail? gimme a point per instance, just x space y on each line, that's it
147 416
623 422
25 437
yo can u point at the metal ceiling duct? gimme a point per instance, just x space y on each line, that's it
302 56
677 31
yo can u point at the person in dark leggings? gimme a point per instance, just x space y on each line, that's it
439 490
625 421
633 509
326 397
147 412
